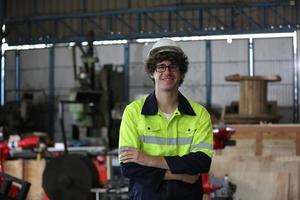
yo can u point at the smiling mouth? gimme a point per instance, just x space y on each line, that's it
167 78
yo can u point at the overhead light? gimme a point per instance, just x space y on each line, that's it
229 40
110 42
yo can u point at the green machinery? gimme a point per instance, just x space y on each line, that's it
96 98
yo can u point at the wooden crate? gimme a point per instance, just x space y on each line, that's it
272 175
265 163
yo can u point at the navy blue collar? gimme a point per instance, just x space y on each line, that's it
150 105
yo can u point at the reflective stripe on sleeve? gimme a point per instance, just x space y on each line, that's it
201 145
166 141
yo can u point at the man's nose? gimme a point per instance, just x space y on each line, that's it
167 69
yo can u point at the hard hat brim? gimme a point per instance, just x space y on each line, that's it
165 49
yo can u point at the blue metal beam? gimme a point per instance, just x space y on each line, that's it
151 19
295 84
126 71
2 75
118 36
185 20
208 67
17 76
248 18
51 92
153 10
95 24
197 19
2 65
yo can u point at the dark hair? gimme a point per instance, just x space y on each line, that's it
174 57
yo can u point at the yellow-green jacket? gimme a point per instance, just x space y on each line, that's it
185 140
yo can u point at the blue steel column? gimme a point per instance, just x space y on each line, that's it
51 100
295 82
17 76
295 94
2 65
208 64
2 76
126 71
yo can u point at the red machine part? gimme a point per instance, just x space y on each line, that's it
206 184
100 164
25 143
4 152
222 136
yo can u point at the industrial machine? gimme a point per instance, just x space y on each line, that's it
84 177
95 98
94 103
88 98
70 177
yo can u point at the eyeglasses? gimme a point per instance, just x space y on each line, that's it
162 67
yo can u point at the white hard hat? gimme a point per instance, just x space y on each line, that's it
165 45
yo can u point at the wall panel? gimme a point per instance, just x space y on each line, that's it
275 57
227 59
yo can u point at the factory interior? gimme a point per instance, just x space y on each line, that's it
70 67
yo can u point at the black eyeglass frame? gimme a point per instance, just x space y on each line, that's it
163 67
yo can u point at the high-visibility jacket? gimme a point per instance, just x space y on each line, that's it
185 140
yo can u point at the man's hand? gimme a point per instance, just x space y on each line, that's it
130 154
191 179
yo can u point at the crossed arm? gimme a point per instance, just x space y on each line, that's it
133 155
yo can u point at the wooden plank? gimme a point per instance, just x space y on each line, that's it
271 131
260 185
297 144
281 191
14 168
33 171
258 143
273 148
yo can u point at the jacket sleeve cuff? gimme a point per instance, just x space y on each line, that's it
148 176
192 163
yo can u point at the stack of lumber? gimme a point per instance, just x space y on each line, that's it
274 175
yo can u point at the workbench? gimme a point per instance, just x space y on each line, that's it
259 132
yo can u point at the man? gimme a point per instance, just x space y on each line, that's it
165 139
